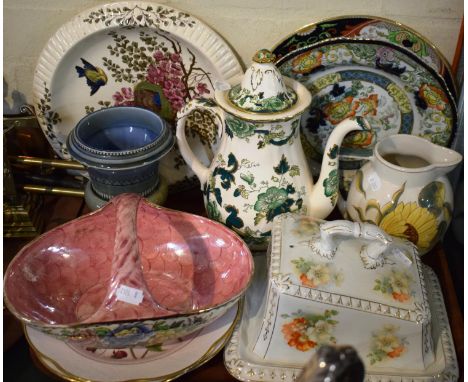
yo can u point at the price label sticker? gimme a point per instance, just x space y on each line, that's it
374 181
129 295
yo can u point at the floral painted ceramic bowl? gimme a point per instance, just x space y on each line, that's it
129 274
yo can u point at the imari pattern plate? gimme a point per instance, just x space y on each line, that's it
370 28
393 90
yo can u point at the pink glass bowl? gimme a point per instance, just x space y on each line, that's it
129 274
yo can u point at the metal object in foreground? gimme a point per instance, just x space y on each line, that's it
333 364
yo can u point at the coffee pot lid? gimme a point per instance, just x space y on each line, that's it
262 89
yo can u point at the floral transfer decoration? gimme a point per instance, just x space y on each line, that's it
373 29
313 274
50 117
306 62
333 153
152 333
268 198
278 196
305 226
133 354
124 355
433 97
163 74
386 344
422 222
273 135
331 185
243 99
140 16
306 331
415 102
397 284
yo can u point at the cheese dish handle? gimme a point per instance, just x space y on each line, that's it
377 249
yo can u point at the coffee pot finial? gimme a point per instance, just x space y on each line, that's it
262 89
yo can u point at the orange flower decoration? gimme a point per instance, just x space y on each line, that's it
400 297
434 97
369 104
300 343
306 281
306 62
358 139
293 333
337 111
396 352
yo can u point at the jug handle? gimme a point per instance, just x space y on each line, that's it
200 170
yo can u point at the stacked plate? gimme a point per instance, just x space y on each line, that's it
154 364
371 67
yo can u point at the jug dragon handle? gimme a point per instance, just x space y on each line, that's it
200 170
325 193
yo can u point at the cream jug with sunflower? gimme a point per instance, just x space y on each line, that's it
260 169
403 189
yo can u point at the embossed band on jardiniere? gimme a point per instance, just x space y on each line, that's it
121 147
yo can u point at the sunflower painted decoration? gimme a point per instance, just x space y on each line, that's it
404 191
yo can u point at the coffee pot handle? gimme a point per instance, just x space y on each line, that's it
200 170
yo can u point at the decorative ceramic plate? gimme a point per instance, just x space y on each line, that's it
395 91
245 365
132 53
370 28
156 363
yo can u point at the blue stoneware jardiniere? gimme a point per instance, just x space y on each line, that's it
121 147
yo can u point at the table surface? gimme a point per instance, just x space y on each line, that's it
62 209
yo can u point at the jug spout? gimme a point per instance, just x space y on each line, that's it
417 155
324 195
444 159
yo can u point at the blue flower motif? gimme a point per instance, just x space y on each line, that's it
127 335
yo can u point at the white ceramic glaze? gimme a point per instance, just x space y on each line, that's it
244 364
135 54
260 169
162 363
316 290
403 189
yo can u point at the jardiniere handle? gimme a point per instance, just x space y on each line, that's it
200 170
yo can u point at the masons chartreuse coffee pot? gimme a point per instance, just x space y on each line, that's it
260 169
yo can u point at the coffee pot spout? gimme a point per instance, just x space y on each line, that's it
324 194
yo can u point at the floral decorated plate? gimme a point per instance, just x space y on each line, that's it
245 365
156 363
132 53
370 28
392 89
